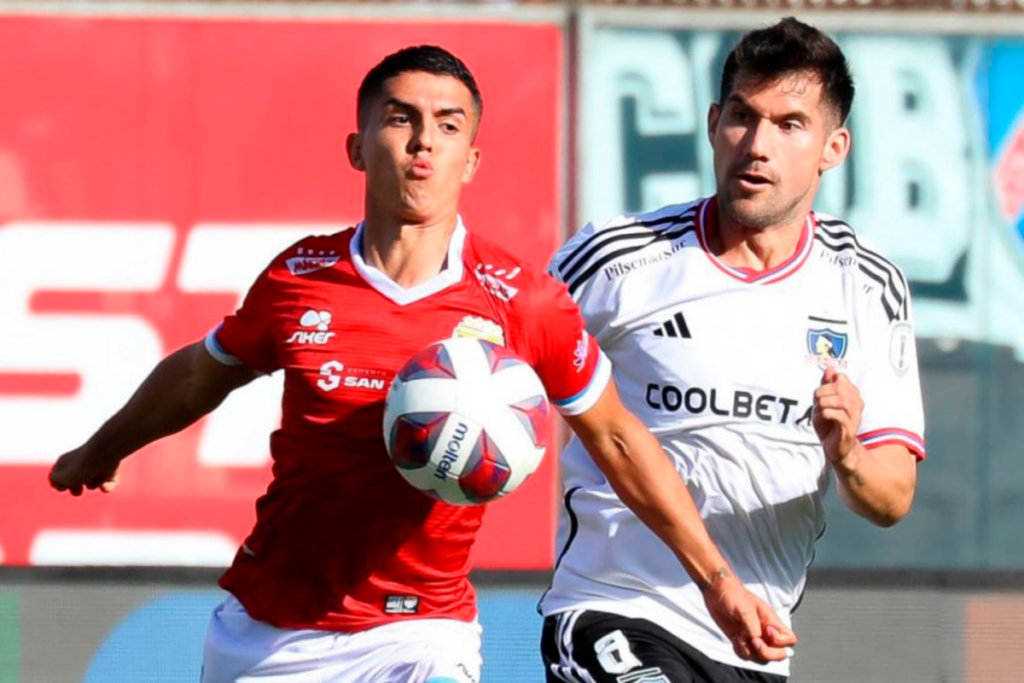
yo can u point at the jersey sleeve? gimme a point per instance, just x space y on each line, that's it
568 360
890 385
244 337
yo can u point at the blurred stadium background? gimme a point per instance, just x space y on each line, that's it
154 154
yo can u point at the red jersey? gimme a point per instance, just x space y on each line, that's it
342 542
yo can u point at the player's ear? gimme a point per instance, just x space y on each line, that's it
472 164
354 149
837 146
714 114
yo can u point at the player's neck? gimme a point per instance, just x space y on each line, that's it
408 253
757 249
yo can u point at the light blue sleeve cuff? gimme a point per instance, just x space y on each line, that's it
217 351
585 400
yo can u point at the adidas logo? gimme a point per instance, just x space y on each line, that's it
676 327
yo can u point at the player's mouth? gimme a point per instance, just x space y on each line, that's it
753 182
421 169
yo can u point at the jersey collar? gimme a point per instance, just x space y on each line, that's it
706 216
449 275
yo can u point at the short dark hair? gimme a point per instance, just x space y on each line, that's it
426 58
790 47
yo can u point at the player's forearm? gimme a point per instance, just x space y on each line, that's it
646 481
176 394
878 484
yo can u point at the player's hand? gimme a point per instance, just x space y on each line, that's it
755 630
837 412
82 469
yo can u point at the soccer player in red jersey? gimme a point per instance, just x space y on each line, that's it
349 571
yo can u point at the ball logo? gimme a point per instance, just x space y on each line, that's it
320 322
451 451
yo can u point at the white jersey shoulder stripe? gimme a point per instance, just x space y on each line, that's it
616 241
838 236
580 246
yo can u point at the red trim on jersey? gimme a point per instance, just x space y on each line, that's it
913 442
891 430
918 453
706 217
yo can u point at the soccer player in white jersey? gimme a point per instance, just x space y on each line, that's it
767 347
351 575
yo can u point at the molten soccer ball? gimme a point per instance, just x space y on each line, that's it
466 421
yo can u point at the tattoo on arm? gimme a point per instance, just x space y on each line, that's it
713 578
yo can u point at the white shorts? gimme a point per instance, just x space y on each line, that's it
240 649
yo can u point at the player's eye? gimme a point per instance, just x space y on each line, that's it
449 127
398 119
740 116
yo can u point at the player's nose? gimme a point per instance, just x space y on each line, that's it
758 140
422 138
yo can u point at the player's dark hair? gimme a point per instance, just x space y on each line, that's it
790 47
426 58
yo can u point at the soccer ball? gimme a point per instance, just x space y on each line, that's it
466 421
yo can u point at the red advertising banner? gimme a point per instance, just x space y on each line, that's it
149 169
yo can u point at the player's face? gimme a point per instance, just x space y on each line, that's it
772 142
417 147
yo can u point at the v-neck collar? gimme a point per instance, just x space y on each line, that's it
449 275
705 218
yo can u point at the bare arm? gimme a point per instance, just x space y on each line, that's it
878 484
182 388
646 480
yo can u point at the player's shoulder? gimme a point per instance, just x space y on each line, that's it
858 257
313 253
624 241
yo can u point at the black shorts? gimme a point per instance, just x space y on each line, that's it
585 646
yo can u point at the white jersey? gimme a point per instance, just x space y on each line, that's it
721 364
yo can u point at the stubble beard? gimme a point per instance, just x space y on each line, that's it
758 215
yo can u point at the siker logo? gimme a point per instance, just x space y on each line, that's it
451 451
320 322
309 261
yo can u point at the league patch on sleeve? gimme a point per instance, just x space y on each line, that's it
901 342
